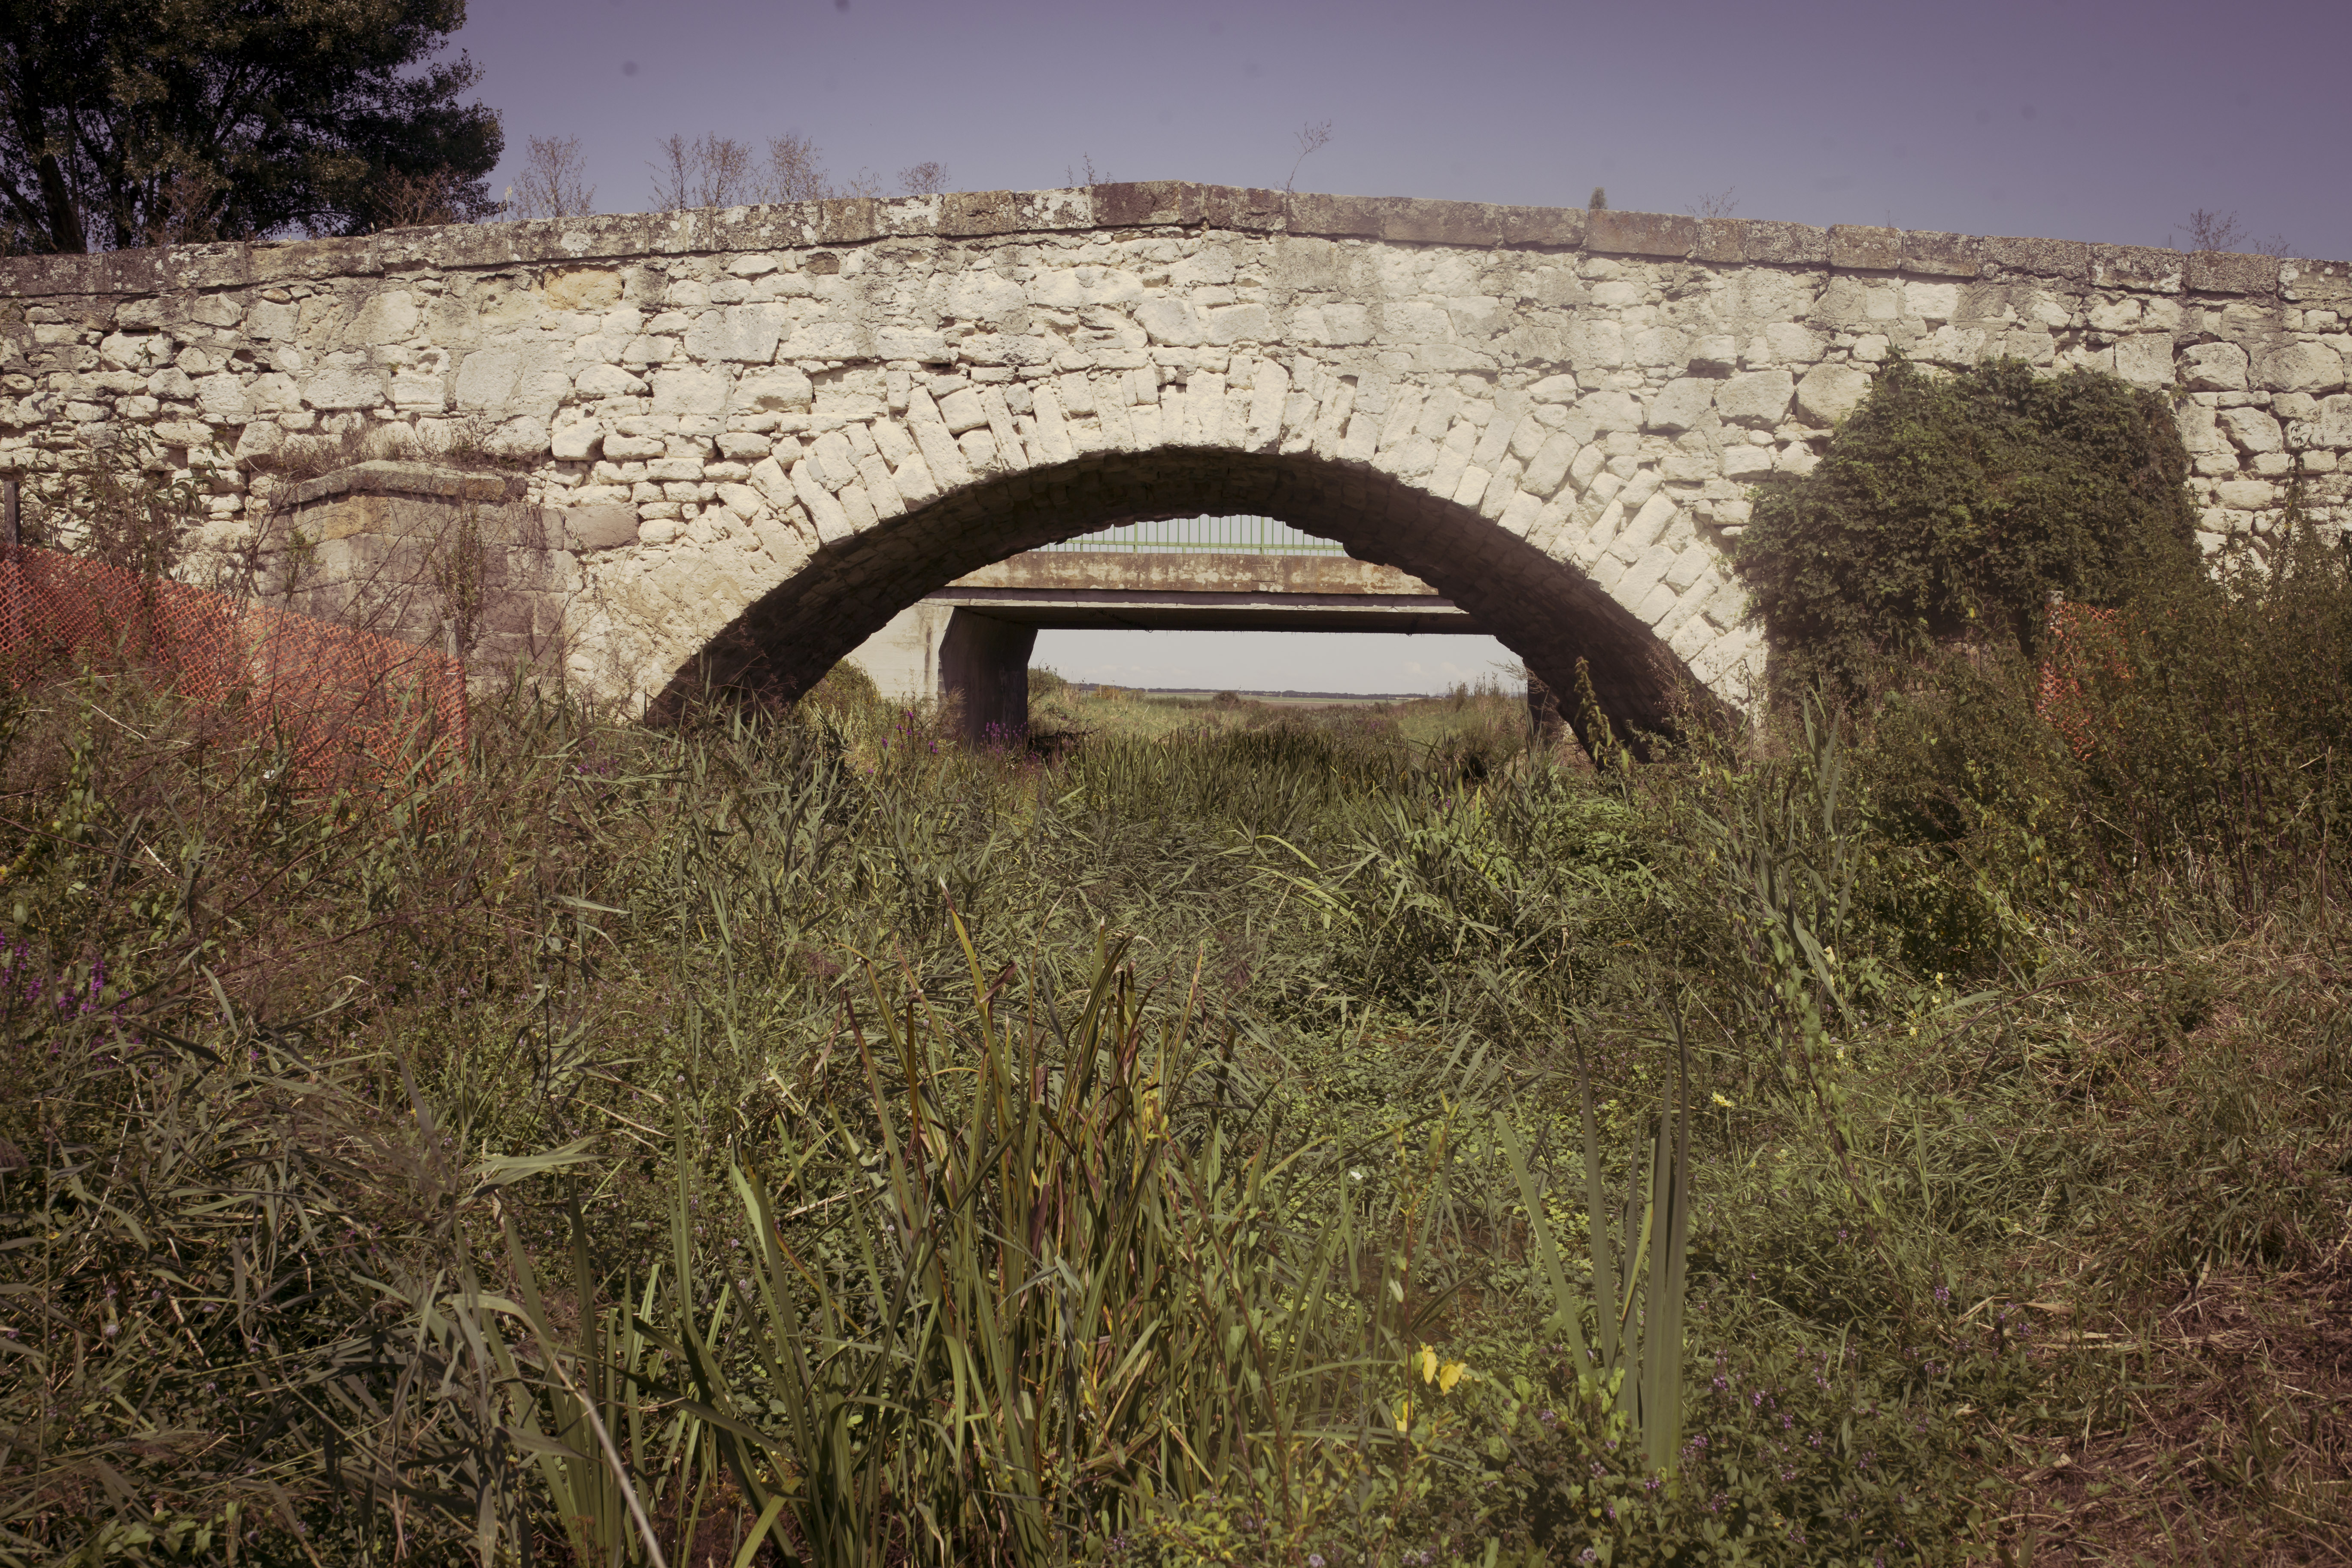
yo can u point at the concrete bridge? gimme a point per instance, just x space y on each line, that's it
760 434
971 640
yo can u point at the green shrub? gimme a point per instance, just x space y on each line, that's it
1949 509
2220 728
845 692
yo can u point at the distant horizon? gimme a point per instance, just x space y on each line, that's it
1240 691
1339 663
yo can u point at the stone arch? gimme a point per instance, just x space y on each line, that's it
1547 610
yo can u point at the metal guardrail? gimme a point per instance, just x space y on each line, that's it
1205 535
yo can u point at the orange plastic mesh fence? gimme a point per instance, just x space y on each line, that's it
335 698
2087 643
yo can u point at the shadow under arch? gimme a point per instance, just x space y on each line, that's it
1546 611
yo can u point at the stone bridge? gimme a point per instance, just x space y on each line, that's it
760 433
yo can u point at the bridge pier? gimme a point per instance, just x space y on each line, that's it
984 676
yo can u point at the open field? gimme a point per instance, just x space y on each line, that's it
1176 1152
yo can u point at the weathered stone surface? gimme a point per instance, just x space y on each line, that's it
387 477
1640 234
2138 267
1859 247
604 526
1680 405
1786 244
2214 367
752 432
2220 272
1828 393
2314 367
1758 399
1933 255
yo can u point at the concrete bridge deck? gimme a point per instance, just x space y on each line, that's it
1203 592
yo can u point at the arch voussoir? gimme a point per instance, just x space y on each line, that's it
1546 609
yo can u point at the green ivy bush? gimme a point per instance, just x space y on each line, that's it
1947 508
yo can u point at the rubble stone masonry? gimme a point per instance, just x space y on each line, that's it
764 430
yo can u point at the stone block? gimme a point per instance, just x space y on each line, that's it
774 389
1249 210
585 528
2252 429
1542 229
689 389
851 220
1640 234
337 257
1722 241
2145 270
962 410
1830 391
2214 367
2145 359
1784 244
2222 272
975 212
1716 355
1757 399
1864 247
2306 282
575 442
2310 367
2065 259
1930 254
1679 406
1159 203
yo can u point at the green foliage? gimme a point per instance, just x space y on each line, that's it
845 691
2223 723
131 124
1948 508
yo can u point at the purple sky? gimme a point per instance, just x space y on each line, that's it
2077 120
2081 121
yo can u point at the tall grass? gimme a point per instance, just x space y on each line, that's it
796 1140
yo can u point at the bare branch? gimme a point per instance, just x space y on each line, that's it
715 172
925 179
795 170
1086 173
1311 137
2214 230
1599 200
415 201
1721 203
673 175
2222 231
553 183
